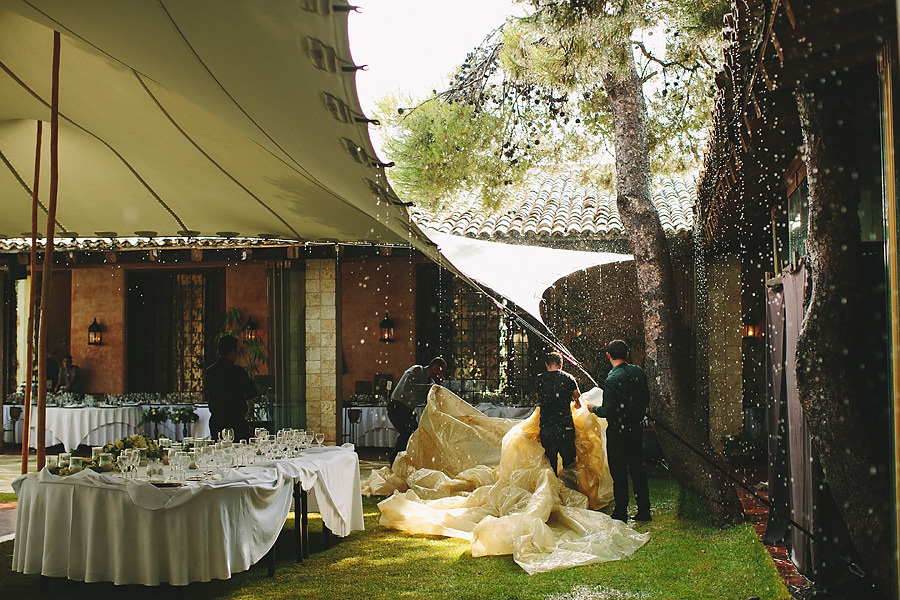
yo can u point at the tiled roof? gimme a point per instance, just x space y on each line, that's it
560 208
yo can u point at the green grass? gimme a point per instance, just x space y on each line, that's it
684 559
7 497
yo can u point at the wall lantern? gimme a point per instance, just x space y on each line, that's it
95 334
250 330
752 331
387 329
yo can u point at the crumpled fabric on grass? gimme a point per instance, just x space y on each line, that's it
486 480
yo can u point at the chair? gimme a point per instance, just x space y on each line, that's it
353 415
15 412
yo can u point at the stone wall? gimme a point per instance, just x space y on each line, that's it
322 387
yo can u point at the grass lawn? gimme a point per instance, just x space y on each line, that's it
685 559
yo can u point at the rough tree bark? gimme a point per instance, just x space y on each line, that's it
670 402
827 374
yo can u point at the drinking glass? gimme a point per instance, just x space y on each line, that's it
320 437
182 462
123 461
75 464
226 435
52 462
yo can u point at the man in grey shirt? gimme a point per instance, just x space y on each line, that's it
411 391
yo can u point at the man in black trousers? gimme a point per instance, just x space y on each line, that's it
625 400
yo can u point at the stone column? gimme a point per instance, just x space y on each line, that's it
321 348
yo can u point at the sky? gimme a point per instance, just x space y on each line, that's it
412 45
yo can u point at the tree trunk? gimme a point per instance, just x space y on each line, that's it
828 376
670 404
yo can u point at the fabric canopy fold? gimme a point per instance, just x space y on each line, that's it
518 273
197 118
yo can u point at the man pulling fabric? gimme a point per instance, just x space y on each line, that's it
411 391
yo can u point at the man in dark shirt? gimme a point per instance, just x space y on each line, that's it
556 390
625 400
226 388
412 391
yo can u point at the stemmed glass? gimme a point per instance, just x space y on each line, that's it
320 438
182 461
226 435
123 461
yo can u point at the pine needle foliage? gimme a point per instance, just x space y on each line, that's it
531 96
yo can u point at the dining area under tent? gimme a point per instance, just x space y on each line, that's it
181 121
193 125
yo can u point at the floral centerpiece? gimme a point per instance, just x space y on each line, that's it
135 441
155 415
184 415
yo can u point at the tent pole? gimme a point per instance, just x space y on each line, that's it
32 294
885 68
48 256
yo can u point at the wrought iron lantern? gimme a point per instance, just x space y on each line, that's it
387 329
95 334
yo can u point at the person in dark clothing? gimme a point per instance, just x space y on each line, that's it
556 390
226 389
412 391
69 377
625 400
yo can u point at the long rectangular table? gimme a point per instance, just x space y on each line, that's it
374 429
100 527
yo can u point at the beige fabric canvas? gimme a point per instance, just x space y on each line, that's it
487 480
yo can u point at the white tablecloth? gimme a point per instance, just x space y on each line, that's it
92 527
505 412
98 426
73 426
375 430
175 431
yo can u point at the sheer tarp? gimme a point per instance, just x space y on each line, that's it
487 480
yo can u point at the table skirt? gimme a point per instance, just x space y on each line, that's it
99 527
374 429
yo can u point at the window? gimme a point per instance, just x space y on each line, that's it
173 318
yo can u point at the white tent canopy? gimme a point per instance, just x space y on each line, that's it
206 118
193 118
519 273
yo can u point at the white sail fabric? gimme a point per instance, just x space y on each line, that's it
519 273
197 118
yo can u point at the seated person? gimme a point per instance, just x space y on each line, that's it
68 379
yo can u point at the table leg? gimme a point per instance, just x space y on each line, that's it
298 530
305 523
45 583
326 533
301 522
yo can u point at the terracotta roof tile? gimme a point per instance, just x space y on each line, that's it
558 207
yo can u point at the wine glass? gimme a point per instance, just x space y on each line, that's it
123 461
226 435
182 462
320 438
